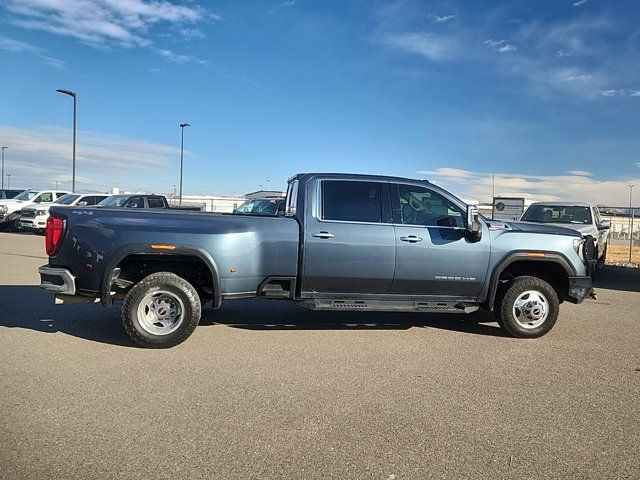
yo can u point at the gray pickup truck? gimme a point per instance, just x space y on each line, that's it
345 242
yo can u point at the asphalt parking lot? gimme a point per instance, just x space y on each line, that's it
269 390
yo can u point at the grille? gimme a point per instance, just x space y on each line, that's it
28 213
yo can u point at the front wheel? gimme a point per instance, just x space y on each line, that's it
161 311
528 309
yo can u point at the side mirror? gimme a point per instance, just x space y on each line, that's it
473 224
604 225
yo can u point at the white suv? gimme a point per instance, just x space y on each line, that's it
34 217
10 208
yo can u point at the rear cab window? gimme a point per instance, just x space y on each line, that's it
353 201
156 202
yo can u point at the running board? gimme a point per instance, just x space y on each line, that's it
389 306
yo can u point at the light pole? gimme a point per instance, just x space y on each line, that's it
182 125
630 222
3 149
75 111
8 180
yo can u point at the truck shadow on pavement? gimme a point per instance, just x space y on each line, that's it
618 278
30 308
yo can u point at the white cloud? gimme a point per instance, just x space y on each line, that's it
39 156
575 186
110 23
501 46
580 77
444 18
17 46
174 57
579 3
635 93
435 48
582 173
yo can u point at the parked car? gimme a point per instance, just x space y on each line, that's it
34 217
10 208
582 217
346 242
138 200
6 194
262 206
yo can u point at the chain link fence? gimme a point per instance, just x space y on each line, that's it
624 237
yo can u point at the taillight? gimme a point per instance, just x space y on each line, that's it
53 239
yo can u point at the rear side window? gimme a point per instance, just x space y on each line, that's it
352 201
155 202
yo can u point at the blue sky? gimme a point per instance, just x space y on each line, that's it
544 94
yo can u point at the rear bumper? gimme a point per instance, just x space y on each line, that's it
57 280
579 289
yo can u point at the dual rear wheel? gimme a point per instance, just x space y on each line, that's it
161 311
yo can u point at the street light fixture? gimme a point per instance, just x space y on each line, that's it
3 149
182 125
75 111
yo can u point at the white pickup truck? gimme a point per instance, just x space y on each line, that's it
34 217
10 208
583 217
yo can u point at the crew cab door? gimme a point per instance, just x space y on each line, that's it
349 242
435 254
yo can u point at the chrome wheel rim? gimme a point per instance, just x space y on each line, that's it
160 312
531 309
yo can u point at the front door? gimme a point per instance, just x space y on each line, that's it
349 244
435 255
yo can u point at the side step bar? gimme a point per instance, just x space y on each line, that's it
389 305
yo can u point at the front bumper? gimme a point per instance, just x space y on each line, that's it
579 289
57 280
35 223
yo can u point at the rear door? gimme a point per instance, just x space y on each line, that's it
434 254
349 242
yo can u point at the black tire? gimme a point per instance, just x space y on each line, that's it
504 308
176 288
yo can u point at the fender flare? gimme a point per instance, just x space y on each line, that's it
549 257
145 249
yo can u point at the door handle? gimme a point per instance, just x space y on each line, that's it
411 239
322 235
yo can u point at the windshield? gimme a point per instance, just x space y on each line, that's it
263 206
26 195
557 214
67 199
114 201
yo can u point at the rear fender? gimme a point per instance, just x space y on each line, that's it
145 249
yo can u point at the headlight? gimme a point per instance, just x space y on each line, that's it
577 245
41 212
3 209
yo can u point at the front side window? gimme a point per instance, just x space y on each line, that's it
135 202
352 201
422 206
46 197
